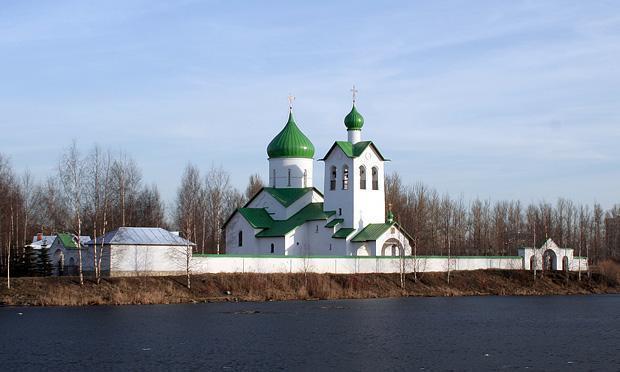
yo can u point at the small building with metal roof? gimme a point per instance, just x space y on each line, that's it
133 251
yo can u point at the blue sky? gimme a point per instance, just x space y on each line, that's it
490 99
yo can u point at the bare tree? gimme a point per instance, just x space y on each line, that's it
71 172
255 184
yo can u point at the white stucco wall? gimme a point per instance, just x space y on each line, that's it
347 265
297 166
127 260
360 207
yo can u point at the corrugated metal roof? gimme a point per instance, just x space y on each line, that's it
257 217
371 232
69 240
287 196
343 233
45 242
311 212
334 222
141 236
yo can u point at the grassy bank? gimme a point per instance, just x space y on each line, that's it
264 287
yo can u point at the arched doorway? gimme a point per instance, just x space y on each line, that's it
391 247
362 251
58 261
564 263
550 260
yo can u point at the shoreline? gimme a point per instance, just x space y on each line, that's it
251 287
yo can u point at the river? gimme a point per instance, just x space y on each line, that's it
463 333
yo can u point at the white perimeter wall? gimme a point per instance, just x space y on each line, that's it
345 265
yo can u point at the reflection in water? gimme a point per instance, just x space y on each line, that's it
404 334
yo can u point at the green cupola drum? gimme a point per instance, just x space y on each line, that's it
290 157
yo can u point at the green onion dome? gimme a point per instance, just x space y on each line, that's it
290 143
390 217
354 120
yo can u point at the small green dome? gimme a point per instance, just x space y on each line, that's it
354 120
290 143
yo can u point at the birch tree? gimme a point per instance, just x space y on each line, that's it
71 172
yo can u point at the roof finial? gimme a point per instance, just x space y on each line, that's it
291 98
354 91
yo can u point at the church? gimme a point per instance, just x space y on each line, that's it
292 217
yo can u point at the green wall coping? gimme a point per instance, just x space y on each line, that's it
349 257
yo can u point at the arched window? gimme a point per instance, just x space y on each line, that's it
345 177
316 230
375 178
289 177
273 248
362 177
241 238
340 211
332 179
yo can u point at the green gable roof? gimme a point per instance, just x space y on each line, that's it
257 217
354 150
371 232
311 212
287 196
334 222
67 240
290 143
343 233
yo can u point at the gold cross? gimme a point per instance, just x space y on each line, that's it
291 98
354 91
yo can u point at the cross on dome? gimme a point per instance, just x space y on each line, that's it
291 98
354 91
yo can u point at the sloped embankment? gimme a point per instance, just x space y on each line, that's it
264 287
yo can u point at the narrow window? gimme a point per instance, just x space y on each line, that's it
317 229
345 178
274 178
340 211
289 177
375 178
305 178
273 248
362 177
332 180
241 238
330 246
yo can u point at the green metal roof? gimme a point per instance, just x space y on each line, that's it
67 240
290 143
354 120
371 232
334 222
343 233
257 217
354 150
287 196
311 212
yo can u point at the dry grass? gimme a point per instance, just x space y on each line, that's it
610 269
264 287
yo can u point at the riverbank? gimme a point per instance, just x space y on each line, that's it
66 291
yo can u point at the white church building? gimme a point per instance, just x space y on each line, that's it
292 217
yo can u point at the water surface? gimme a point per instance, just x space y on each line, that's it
472 333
